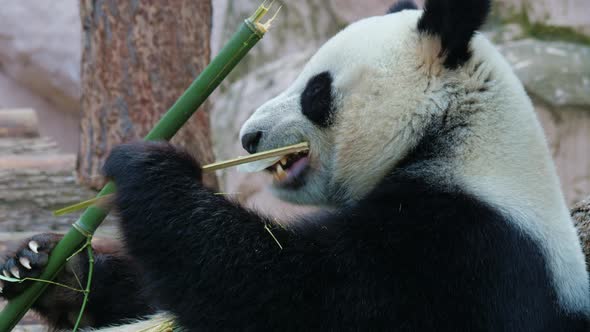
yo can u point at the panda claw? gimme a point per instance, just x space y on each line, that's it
15 272
25 262
1 286
34 246
6 274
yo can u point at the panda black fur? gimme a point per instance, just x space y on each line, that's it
447 213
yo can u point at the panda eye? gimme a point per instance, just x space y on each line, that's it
316 99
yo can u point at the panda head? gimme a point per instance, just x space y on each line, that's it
365 99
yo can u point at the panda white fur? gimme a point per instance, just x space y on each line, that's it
448 211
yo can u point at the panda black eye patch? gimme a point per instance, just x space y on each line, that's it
316 99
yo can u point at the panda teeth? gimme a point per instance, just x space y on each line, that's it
279 174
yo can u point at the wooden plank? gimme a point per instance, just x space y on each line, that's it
19 123
20 146
35 179
49 162
568 133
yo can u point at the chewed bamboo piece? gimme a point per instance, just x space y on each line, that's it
280 152
272 155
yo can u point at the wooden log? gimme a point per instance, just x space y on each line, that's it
138 59
20 146
39 162
19 123
34 180
28 196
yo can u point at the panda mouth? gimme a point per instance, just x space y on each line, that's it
290 169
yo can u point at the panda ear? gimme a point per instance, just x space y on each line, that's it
402 5
454 22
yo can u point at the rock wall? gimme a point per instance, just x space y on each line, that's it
562 13
557 77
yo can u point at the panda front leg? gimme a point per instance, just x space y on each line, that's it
115 293
210 262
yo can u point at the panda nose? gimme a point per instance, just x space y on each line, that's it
250 141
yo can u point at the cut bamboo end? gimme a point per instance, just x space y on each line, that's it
254 20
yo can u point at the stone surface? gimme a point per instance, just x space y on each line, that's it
40 48
503 33
556 72
563 13
568 134
557 77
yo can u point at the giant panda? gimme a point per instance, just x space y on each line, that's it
444 211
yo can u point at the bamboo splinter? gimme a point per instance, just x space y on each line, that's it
257 156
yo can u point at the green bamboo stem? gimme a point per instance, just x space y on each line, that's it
248 34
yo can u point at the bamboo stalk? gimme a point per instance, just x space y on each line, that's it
249 33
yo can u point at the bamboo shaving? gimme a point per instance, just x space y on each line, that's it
273 236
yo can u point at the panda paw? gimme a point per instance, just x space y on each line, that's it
142 165
28 261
